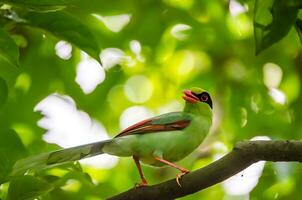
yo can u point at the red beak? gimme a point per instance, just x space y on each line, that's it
190 97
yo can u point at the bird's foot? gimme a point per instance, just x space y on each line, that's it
144 183
180 175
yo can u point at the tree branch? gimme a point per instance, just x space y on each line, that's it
243 155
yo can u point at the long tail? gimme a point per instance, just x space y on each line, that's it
54 158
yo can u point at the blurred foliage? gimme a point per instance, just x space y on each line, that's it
175 45
9 49
273 20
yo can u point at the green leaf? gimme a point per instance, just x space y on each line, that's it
41 5
11 150
298 27
296 3
8 48
3 92
272 21
8 73
68 28
27 187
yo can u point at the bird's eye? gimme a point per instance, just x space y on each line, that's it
204 97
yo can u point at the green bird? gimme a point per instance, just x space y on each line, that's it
158 141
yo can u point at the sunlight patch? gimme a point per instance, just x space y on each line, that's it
67 127
171 106
243 117
236 8
138 89
72 185
136 48
277 95
272 75
180 31
63 50
89 75
113 56
133 115
114 23
242 183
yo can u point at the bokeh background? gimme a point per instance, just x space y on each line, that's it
151 51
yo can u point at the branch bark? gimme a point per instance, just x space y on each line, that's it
243 155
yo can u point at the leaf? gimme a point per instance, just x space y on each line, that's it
296 3
8 48
27 187
68 28
3 92
11 150
8 73
298 27
41 5
272 21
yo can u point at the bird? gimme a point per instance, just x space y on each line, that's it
158 141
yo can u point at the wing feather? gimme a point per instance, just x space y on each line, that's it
167 122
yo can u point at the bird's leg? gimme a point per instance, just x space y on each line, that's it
181 169
140 171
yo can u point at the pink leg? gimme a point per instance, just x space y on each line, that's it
140 171
183 170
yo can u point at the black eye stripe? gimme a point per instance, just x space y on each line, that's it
204 97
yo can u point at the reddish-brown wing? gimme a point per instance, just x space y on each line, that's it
158 124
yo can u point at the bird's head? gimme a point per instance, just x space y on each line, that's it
196 95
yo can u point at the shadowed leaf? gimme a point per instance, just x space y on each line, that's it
8 48
68 28
298 27
272 21
41 5
3 92
11 150
27 187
